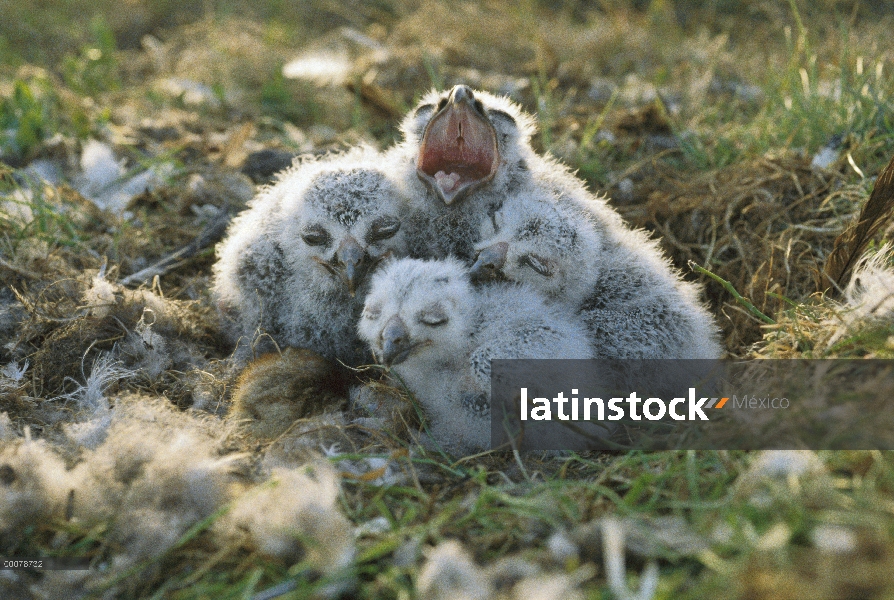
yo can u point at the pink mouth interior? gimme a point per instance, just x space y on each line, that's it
459 149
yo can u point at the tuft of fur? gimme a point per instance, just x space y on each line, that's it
453 331
276 272
277 389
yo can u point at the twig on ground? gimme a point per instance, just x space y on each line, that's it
732 290
211 234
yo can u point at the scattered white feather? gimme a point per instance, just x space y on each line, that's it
100 296
377 526
561 548
616 572
148 349
104 180
825 157
100 168
16 206
322 68
190 92
12 375
547 587
90 397
44 171
834 539
782 464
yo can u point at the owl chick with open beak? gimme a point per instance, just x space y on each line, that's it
463 151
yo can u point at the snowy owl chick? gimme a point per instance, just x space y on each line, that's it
295 264
633 302
438 333
462 153
535 240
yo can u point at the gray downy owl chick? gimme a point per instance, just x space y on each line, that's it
633 302
463 151
425 321
295 265
535 240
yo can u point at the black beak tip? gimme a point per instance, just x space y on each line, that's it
461 93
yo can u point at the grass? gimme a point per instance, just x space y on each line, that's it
749 92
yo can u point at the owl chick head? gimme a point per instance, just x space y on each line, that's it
342 221
533 240
418 313
465 140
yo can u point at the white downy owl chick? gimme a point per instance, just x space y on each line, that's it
462 153
438 334
633 302
295 264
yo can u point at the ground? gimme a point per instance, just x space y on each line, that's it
747 137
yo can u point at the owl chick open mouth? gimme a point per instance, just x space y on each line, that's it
459 148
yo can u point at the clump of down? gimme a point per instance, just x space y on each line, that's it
450 574
155 474
293 516
34 487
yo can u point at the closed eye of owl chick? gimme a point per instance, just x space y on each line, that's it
535 240
296 264
426 322
633 303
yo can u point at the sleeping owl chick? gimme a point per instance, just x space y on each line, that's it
295 264
535 240
438 334
633 303
462 153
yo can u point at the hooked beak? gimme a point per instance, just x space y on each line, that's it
459 150
396 341
489 264
351 258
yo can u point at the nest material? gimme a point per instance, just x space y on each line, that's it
767 226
